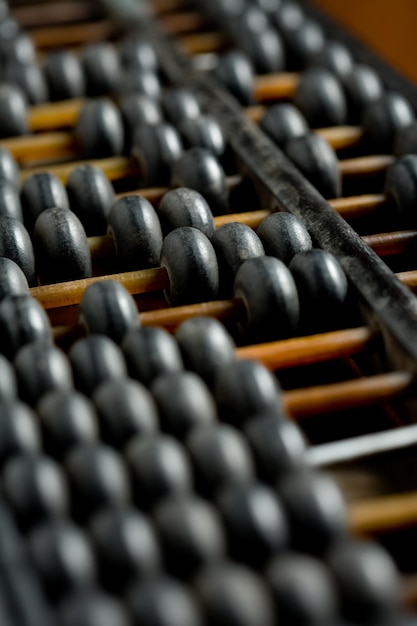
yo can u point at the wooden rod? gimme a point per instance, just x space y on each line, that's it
201 43
52 14
46 117
275 86
182 23
383 514
72 34
366 165
115 168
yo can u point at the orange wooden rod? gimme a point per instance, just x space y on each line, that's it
383 514
72 34
52 14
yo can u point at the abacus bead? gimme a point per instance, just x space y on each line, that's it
9 169
315 509
41 367
277 445
96 359
136 232
191 264
401 187
22 321
265 49
233 594
156 148
320 98
183 400
205 346
15 244
30 80
99 129
140 82
185 207
220 456
234 243
127 545
68 418
63 556
138 109
303 590
12 111
256 523
107 308
406 140
151 352
40 192
199 169
206 132
64 76
237 73
336 57
13 282
283 235
91 197
362 85
35 487
191 534
245 388
317 160
305 41
367 580
269 294
163 601
125 408
180 104
93 608
8 384
98 478
384 117
138 54
10 204
322 288
282 122
289 18
101 67
19 429
159 467
62 250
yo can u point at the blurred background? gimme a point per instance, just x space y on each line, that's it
387 26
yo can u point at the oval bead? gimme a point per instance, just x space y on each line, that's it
143 83
95 359
30 79
283 235
406 140
180 104
304 41
320 98
204 131
93 608
22 321
99 129
401 187
101 66
282 122
156 148
10 204
138 110
40 192
237 73
336 57
8 383
137 53
9 170
13 114
19 428
383 118
91 197
64 76
362 85
191 264
13 282
185 207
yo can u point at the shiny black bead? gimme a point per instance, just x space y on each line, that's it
138 110
15 244
185 207
336 57
362 85
237 73
137 53
30 79
304 41
401 187
13 113
156 149
22 321
283 235
10 204
40 192
9 170
8 383
19 429
101 66
13 282
180 104
143 83
406 140
204 131
383 118
320 97
64 76
93 608
99 129
125 408
91 197
282 122
289 18
95 359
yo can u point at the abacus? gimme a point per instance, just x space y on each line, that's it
207 318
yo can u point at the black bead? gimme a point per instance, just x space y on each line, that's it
63 557
234 243
320 98
256 523
205 132
191 264
101 65
205 346
95 359
35 487
383 118
10 204
8 383
263 45
151 352
282 122
159 468
278 446
107 308
401 187
185 207
303 590
68 418
16 245
220 456
362 85
180 104
283 235
336 57
304 41
199 169
127 546
98 478
136 232
19 430
322 289
99 129
15 46
62 250
22 321
237 73
9 170
13 282
91 197
13 113
137 53
183 400
139 82
64 76
125 408
138 110
406 140
233 594
317 160
93 608
289 18
245 388
41 367
156 149
40 192
163 601
367 580
269 294
30 79
315 509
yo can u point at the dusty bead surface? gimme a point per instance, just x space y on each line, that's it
40 192
13 282
91 197
283 235
185 207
